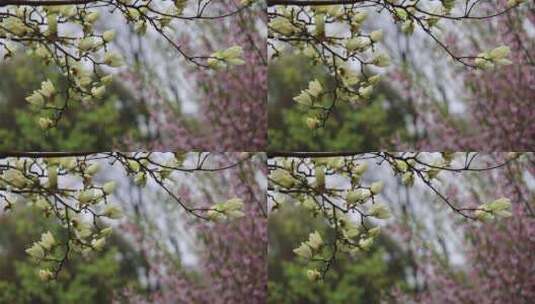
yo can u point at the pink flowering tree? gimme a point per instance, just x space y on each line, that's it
231 257
497 264
230 102
496 113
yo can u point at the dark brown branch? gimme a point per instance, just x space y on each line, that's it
311 2
310 154
44 2
44 154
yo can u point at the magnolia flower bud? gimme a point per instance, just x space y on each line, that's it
109 187
358 43
407 179
314 88
114 60
52 21
359 195
108 36
407 27
380 211
366 244
180 5
113 212
98 92
36 99
283 178
233 204
36 251
98 244
499 52
374 232
376 187
312 122
314 240
303 251
360 17
319 20
376 36
283 26
45 123
16 26
68 10
47 240
498 207
47 89
366 92
304 98
52 172
87 43
313 275
381 60
483 215
140 179
45 275
87 196
511 3
92 169
68 163
92 17
231 56
374 79
106 80
360 168
401 165
448 4
106 231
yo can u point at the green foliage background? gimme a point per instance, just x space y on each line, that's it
101 127
365 278
94 280
373 126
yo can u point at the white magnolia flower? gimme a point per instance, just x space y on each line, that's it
98 92
366 243
303 98
499 52
98 244
376 36
92 17
312 122
381 60
380 211
377 187
114 60
314 240
47 89
109 187
303 251
92 169
358 43
108 36
366 92
360 168
45 123
113 212
45 275
314 88
36 251
313 275
283 26
36 99
47 240
283 178
87 43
